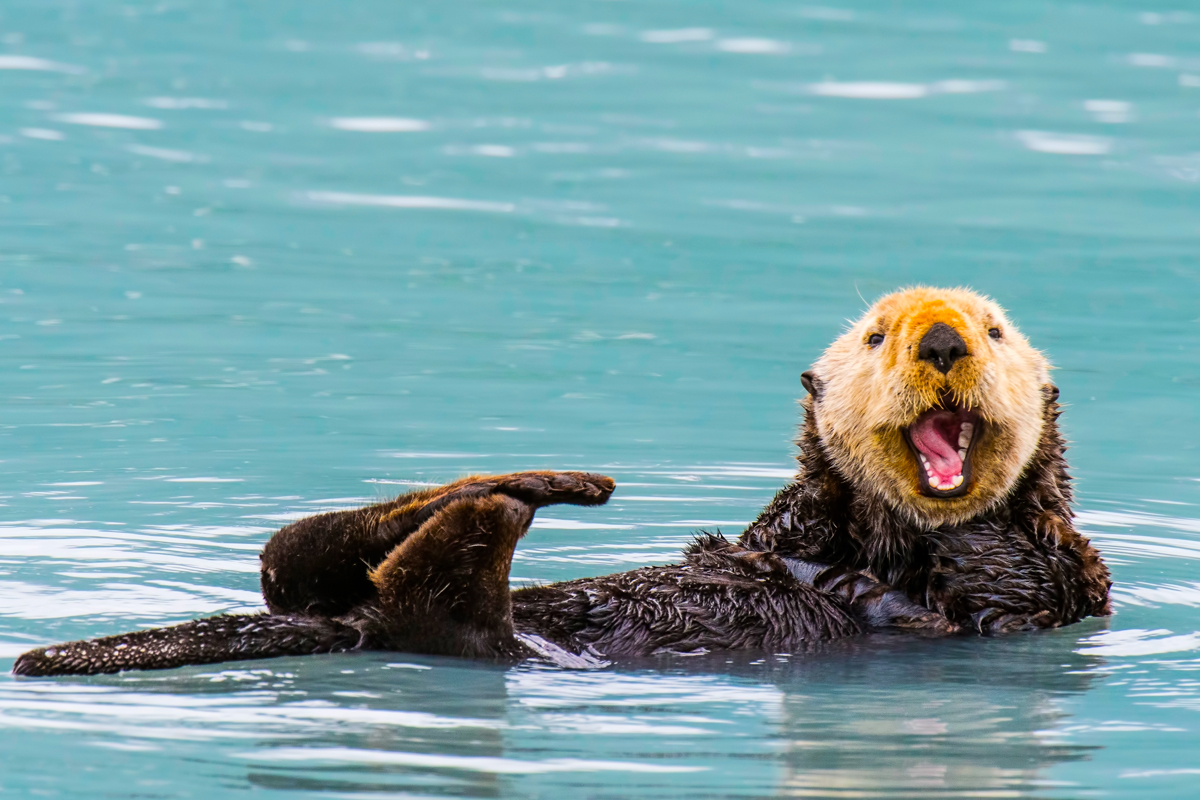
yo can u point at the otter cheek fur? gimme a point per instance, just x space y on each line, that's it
932 401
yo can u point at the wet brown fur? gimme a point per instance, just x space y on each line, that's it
850 546
1021 564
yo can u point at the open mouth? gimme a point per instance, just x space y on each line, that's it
942 440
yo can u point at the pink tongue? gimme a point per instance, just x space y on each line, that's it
931 435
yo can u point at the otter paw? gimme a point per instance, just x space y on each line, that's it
1057 531
993 620
893 609
535 489
549 488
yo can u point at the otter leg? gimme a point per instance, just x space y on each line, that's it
319 565
444 590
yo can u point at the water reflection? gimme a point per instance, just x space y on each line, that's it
963 718
883 716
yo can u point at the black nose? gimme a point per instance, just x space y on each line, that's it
941 346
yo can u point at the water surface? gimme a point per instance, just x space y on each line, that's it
259 261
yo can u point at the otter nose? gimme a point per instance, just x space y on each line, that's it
941 346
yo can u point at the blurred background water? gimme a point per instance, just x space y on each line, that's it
262 260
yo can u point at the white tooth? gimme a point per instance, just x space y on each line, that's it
967 427
962 454
945 487
924 460
957 481
964 439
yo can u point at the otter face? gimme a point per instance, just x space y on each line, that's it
932 401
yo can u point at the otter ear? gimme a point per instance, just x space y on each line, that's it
1050 391
812 384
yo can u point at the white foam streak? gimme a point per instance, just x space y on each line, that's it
29 601
1153 60
203 479
163 154
600 724
416 454
102 120
193 551
1131 519
549 523
45 134
552 689
648 498
1110 111
1138 642
151 716
1166 594
1064 144
870 90
14 649
958 86
486 764
408 201
886 90
379 124
753 46
182 103
1159 773
30 63
677 36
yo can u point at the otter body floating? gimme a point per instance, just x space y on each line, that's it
932 495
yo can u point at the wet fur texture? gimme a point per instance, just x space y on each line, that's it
851 546
1020 564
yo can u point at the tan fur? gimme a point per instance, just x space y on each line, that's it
867 396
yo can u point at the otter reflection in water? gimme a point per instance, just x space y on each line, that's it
932 495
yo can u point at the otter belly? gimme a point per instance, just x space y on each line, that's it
680 608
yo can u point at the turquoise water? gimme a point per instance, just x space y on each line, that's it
262 260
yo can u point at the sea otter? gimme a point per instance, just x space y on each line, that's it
932 495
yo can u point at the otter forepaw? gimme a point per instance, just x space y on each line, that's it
893 609
909 616
994 620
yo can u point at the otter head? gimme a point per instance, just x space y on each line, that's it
933 402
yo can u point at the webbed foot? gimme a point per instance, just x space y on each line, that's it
535 489
444 590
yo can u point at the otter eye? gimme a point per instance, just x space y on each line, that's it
994 333
874 340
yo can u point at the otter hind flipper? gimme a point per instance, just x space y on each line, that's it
444 590
230 637
535 489
318 565
540 489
